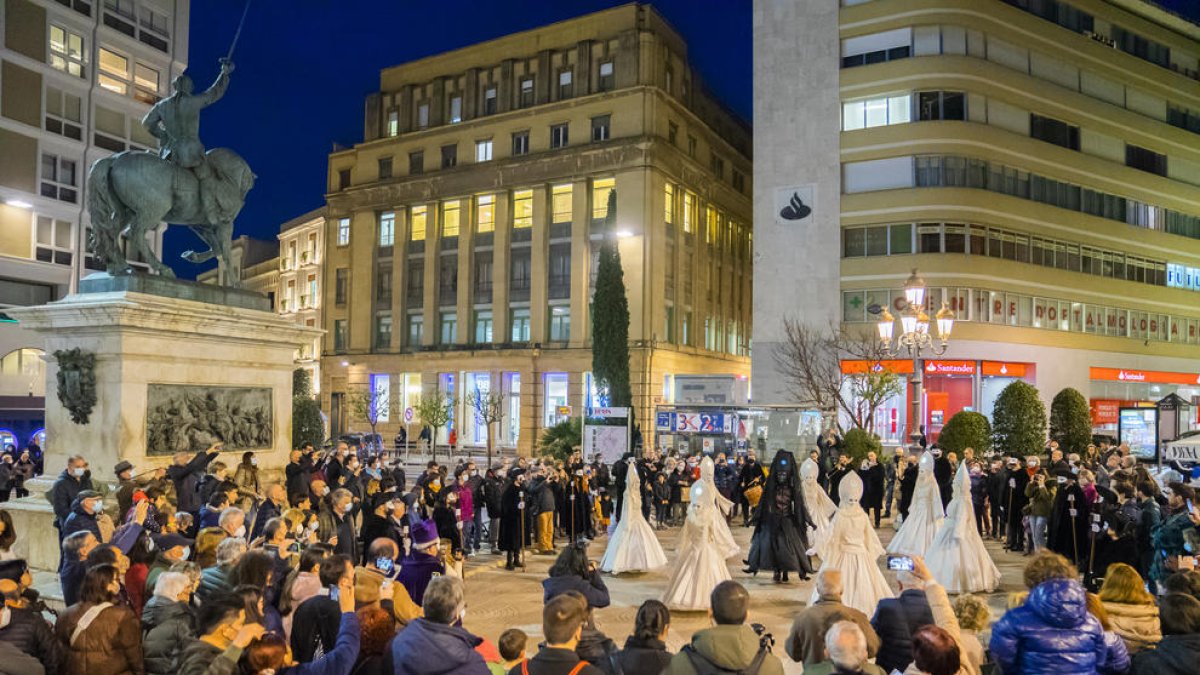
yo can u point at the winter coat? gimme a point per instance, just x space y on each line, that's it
201 658
895 621
186 479
542 492
1041 498
167 627
213 580
110 645
315 624
592 588
1116 657
416 571
1137 624
872 479
79 520
725 646
428 648
304 586
297 479
597 649
643 657
725 478
30 634
64 491
1168 539
554 662
806 643
249 487
1051 633
979 491
493 491
339 660
908 486
1175 655
512 532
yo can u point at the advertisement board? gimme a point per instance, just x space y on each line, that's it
703 423
1138 427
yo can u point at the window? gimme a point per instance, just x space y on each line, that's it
689 211
1183 118
383 330
520 325
560 323
385 168
564 84
341 336
522 209
685 333
58 178
54 240
601 187
600 128
1144 159
449 156
559 264
416 323
450 217
114 71
343 231
606 76
941 105
489 102
520 143
146 83
393 123
526 92
448 328
739 181
1054 131
423 116
560 203
66 51
483 151
717 165
343 179
483 277
669 325
341 285
558 136
877 47
64 113
483 326
416 163
387 228
876 112
448 279
485 213
691 147
554 396
1147 50
455 109
415 289
672 133
669 80
519 274
669 204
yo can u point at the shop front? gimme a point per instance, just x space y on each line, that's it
1112 389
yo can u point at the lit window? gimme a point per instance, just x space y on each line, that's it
600 189
343 231
66 51
526 92
455 109
560 203
114 71
564 84
485 213
146 82
520 325
483 151
64 113
606 76
669 203
689 208
483 326
560 323
422 115
387 228
554 395
393 123
54 240
417 217
523 209
449 328
450 214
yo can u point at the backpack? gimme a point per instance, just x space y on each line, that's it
703 666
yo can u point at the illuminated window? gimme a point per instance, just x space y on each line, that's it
483 151
66 51
711 233
601 187
560 203
523 208
669 204
564 84
417 231
689 211
114 71
422 115
485 213
450 214
876 112
146 83
343 231
393 123
526 92
455 109
606 76
387 228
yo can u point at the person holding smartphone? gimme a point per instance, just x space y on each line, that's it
376 581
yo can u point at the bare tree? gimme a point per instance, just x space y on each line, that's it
489 410
810 361
371 406
435 412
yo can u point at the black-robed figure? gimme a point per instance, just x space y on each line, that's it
1068 535
781 521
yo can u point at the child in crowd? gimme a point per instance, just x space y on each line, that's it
512 651
662 500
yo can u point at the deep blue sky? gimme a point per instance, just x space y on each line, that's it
304 68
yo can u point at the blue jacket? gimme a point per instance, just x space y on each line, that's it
428 648
80 521
1116 659
1051 633
340 659
592 588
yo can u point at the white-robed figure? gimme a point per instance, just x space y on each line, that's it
632 546
701 562
925 515
957 557
724 537
820 507
853 548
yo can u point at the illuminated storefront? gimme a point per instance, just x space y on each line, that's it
1116 388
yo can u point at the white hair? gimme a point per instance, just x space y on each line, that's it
229 514
846 645
172 584
230 549
829 582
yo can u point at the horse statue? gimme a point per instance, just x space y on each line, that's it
132 191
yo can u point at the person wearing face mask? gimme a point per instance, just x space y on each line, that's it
172 548
74 479
128 483
167 623
318 494
224 635
22 624
352 478
335 523
87 506
246 479
271 507
101 637
337 460
1070 519
1040 493
374 582
315 627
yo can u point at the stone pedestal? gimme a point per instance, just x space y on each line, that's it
215 369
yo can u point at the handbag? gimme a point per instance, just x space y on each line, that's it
753 495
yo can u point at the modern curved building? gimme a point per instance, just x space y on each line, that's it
1038 161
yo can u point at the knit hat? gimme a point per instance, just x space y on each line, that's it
424 535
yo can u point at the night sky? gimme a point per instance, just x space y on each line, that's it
304 68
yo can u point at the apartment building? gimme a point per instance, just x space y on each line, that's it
298 291
1038 161
76 77
463 231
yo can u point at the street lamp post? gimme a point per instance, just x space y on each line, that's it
914 338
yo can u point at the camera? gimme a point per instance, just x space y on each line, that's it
761 631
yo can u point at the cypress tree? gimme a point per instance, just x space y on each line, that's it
610 319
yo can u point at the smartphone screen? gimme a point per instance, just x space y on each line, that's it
900 563
333 593
385 564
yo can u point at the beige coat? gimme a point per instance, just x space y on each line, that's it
943 617
1136 624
